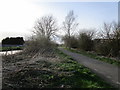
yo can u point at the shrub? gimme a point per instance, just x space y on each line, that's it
108 47
111 37
70 42
102 48
40 45
85 42
45 28
109 44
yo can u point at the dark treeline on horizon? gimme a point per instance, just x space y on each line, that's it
13 41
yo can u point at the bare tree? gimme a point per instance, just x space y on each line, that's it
110 44
46 27
70 24
91 33
107 31
116 39
40 42
116 28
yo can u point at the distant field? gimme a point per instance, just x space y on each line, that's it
10 48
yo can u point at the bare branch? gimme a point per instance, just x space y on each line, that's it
46 27
70 25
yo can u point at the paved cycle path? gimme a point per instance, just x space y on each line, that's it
108 72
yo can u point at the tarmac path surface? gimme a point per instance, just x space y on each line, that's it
110 73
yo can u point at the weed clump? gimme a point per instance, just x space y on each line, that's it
40 46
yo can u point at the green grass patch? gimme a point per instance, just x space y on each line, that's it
80 77
96 57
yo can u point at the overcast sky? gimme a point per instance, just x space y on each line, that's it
17 17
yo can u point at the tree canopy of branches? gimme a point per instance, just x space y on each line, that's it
70 24
110 44
106 31
46 27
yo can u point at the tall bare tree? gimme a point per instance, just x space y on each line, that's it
110 44
116 28
107 31
46 27
70 24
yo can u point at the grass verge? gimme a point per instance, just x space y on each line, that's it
81 76
96 57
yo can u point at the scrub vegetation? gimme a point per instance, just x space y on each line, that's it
60 71
42 65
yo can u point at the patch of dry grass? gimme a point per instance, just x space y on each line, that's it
21 71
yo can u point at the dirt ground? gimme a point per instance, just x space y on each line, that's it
18 64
